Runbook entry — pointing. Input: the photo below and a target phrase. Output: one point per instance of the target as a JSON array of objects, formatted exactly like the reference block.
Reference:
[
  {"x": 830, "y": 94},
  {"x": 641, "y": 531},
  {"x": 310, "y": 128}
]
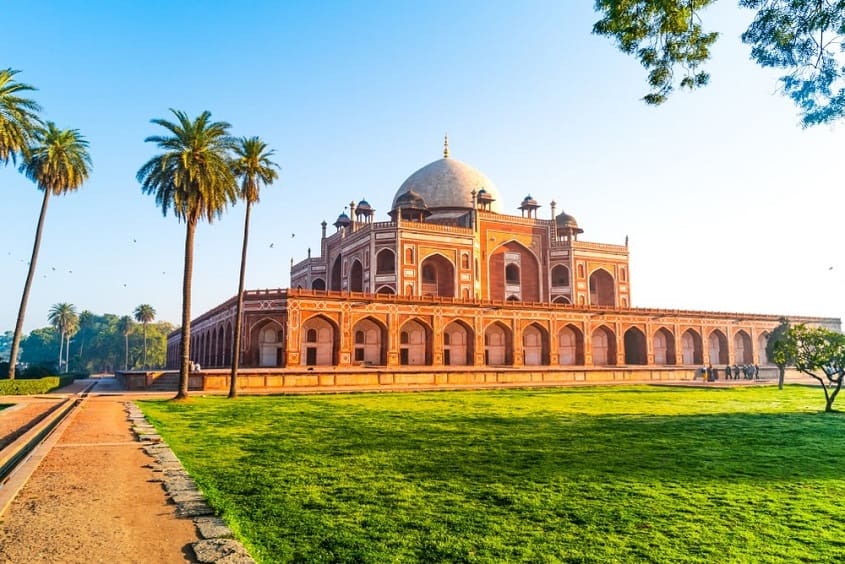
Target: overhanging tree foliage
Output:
[
  {"x": 817, "y": 352},
  {"x": 802, "y": 37},
  {"x": 772, "y": 345}
]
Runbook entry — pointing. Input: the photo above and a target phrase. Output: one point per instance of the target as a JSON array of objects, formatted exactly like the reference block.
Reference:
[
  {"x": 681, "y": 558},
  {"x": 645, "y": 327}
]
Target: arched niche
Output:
[
  {"x": 319, "y": 342},
  {"x": 458, "y": 344},
  {"x": 498, "y": 345},
  {"x": 369, "y": 337},
  {"x": 636, "y": 352},
  {"x": 437, "y": 276},
  {"x": 570, "y": 346},
  {"x": 603, "y": 345},
  {"x": 602, "y": 288}
]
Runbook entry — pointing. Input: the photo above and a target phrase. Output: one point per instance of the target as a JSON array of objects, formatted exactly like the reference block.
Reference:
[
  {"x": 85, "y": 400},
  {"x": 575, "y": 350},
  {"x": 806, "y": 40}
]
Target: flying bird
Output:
[{"x": 271, "y": 245}]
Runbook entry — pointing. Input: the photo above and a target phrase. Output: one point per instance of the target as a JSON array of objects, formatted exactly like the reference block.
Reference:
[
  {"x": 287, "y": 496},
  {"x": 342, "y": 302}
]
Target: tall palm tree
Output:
[
  {"x": 125, "y": 325},
  {"x": 253, "y": 166},
  {"x": 144, "y": 314},
  {"x": 70, "y": 330},
  {"x": 59, "y": 163},
  {"x": 64, "y": 318},
  {"x": 19, "y": 122},
  {"x": 193, "y": 177}
]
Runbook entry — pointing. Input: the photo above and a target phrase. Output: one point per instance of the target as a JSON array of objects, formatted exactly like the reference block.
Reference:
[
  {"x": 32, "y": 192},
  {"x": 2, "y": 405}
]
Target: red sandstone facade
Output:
[{"x": 450, "y": 283}]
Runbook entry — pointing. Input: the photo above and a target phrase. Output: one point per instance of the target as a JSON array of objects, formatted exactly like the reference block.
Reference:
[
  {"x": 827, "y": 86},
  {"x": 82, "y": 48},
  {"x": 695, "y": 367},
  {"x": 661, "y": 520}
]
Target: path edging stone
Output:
[{"x": 218, "y": 545}]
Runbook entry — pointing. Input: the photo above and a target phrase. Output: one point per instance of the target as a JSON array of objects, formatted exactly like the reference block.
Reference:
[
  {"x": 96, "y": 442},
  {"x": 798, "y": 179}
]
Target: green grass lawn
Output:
[{"x": 635, "y": 474}]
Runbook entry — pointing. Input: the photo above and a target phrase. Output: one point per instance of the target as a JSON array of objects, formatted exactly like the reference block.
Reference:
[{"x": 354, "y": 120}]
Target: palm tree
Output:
[
  {"x": 145, "y": 313},
  {"x": 125, "y": 325},
  {"x": 193, "y": 177},
  {"x": 19, "y": 123},
  {"x": 253, "y": 166},
  {"x": 64, "y": 318},
  {"x": 58, "y": 164}
]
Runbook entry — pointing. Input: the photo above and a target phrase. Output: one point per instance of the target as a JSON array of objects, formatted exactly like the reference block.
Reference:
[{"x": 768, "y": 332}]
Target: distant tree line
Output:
[{"x": 101, "y": 343}]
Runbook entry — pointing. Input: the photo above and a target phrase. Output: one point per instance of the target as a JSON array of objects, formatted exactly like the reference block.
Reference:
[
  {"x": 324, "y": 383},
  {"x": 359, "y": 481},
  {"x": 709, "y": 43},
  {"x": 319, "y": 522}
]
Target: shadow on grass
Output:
[{"x": 542, "y": 448}]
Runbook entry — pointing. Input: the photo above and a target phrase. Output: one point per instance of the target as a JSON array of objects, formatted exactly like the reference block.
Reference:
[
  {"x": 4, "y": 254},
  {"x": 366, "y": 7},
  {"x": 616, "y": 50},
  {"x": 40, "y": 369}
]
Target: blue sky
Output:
[{"x": 728, "y": 204}]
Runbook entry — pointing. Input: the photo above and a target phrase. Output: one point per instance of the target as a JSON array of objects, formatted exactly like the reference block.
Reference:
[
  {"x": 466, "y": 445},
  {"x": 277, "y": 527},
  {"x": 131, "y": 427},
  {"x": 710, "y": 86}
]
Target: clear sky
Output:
[{"x": 728, "y": 204}]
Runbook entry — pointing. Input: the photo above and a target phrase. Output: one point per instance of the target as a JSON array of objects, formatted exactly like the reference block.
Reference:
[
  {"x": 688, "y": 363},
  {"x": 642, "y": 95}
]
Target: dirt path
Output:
[{"x": 93, "y": 499}]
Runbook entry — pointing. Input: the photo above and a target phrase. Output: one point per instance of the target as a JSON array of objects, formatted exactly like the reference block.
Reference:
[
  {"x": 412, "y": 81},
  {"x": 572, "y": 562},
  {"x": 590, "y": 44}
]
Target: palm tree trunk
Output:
[
  {"x": 145, "y": 345},
  {"x": 184, "y": 368},
  {"x": 236, "y": 344},
  {"x": 16, "y": 340},
  {"x": 61, "y": 348},
  {"x": 126, "y": 351}
]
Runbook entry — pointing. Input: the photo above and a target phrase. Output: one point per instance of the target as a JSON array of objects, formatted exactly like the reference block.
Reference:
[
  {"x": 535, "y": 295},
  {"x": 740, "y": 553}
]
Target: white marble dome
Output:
[{"x": 448, "y": 184}]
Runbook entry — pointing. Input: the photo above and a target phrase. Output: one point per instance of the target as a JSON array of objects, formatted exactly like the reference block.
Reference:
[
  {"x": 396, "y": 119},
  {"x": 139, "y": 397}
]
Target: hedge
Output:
[{"x": 40, "y": 386}]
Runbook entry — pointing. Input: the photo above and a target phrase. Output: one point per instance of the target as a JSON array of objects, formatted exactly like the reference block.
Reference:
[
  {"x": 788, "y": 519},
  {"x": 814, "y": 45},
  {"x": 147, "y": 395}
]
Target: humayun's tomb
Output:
[{"x": 451, "y": 290}]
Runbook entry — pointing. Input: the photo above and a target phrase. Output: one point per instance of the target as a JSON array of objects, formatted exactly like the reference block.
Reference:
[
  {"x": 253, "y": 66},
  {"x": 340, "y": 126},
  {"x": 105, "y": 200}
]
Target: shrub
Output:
[
  {"x": 24, "y": 387},
  {"x": 39, "y": 370}
]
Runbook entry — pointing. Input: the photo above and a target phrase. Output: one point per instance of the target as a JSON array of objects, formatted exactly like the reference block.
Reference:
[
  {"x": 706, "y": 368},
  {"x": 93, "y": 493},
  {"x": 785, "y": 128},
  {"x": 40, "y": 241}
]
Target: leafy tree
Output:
[
  {"x": 253, "y": 166},
  {"x": 193, "y": 177},
  {"x": 144, "y": 314},
  {"x": 802, "y": 37},
  {"x": 58, "y": 164},
  {"x": 773, "y": 346},
  {"x": 19, "y": 121},
  {"x": 39, "y": 346},
  {"x": 86, "y": 324},
  {"x": 126, "y": 327},
  {"x": 6, "y": 345},
  {"x": 64, "y": 318},
  {"x": 817, "y": 352}
]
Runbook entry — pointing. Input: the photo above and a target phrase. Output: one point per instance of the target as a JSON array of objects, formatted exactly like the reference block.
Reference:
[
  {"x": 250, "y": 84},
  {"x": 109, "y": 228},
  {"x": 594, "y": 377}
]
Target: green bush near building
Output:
[{"x": 631, "y": 474}]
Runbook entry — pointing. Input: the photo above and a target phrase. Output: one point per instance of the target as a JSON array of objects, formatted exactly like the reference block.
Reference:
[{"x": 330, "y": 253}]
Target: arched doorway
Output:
[
  {"x": 414, "y": 349},
  {"x": 438, "y": 276},
  {"x": 457, "y": 344},
  {"x": 270, "y": 342},
  {"x": 762, "y": 341},
  {"x": 635, "y": 347},
  {"x": 370, "y": 340},
  {"x": 742, "y": 348},
  {"x": 319, "y": 338},
  {"x": 356, "y": 277},
  {"x": 535, "y": 346},
  {"x": 603, "y": 347},
  {"x": 570, "y": 346},
  {"x": 664, "y": 347},
  {"x": 602, "y": 288},
  {"x": 318, "y": 284},
  {"x": 692, "y": 348},
  {"x": 385, "y": 262},
  {"x": 717, "y": 347},
  {"x": 337, "y": 274},
  {"x": 514, "y": 271},
  {"x": 498, "y": 345}
]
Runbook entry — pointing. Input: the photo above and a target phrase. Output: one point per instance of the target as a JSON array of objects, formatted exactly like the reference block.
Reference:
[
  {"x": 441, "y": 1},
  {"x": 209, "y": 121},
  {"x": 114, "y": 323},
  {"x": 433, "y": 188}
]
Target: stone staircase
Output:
[{"x": 165, "y": 383}]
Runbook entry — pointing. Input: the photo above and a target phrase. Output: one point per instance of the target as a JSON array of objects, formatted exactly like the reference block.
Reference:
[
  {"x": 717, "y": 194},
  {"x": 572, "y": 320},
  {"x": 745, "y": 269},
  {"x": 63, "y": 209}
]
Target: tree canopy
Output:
[
  {"x": 801, "y": 37},
  {"x": 817, "y": 352}
]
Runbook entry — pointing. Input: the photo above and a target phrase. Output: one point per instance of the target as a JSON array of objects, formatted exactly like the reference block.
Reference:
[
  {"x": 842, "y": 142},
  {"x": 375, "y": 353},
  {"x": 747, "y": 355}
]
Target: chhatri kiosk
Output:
[{"x": 450, "y": 290}]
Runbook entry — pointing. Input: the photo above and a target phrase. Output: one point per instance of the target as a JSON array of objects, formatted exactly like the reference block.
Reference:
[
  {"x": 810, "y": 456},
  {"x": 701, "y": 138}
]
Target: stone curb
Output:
[{"x": 218, "y": 545}]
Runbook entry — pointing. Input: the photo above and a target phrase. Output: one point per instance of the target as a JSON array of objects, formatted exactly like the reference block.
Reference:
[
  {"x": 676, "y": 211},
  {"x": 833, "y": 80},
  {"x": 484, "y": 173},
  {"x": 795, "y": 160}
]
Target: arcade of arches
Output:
[{"x": 393, "y": 331}]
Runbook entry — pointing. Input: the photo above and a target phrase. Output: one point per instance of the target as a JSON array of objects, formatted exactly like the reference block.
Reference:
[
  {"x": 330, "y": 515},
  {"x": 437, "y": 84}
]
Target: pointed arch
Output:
[
  {"x": 762, "y": 341},
  {"x": 498, "y": 344},
  {"x": 369, "y": 337},
  {"x": 717, "y": 347},
  {"x": 603, "y": 344},
  {"x": 267, "y": 342},
  {"x": 415, "y": 343},
  {"x": 513, "y": 269},
  {"x": 318, "y": 284},
  {"x": 437, "y": 276},
  {"x": 570, "y": 346},
  {"x": 458, "y": 344},
  {"x": 385, "y": 262},
  {"x": 336, "y": 274},
  {"x": 636, "y": 351},
  {"x": 692, "y": 348},
  {"x": 560, "y": 276},
  {"x": 743, "y": 352},
  {"x": 386, "y": 290},
  {"x": 356, "y": 277},
  {"x": 663, "y": 344},
  {"x": 535, "y": 345},
  {"x": 320, "y": 341},
  {"x": 602, "y": 288}
]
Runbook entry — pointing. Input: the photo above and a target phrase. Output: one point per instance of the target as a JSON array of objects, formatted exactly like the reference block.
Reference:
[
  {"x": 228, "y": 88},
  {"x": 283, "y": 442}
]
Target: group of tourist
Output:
[{"x": 735, "y": 372}]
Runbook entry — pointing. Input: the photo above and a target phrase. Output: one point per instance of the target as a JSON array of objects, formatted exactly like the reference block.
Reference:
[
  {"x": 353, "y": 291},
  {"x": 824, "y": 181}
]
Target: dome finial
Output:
[{"x": 446, "y": 146}]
